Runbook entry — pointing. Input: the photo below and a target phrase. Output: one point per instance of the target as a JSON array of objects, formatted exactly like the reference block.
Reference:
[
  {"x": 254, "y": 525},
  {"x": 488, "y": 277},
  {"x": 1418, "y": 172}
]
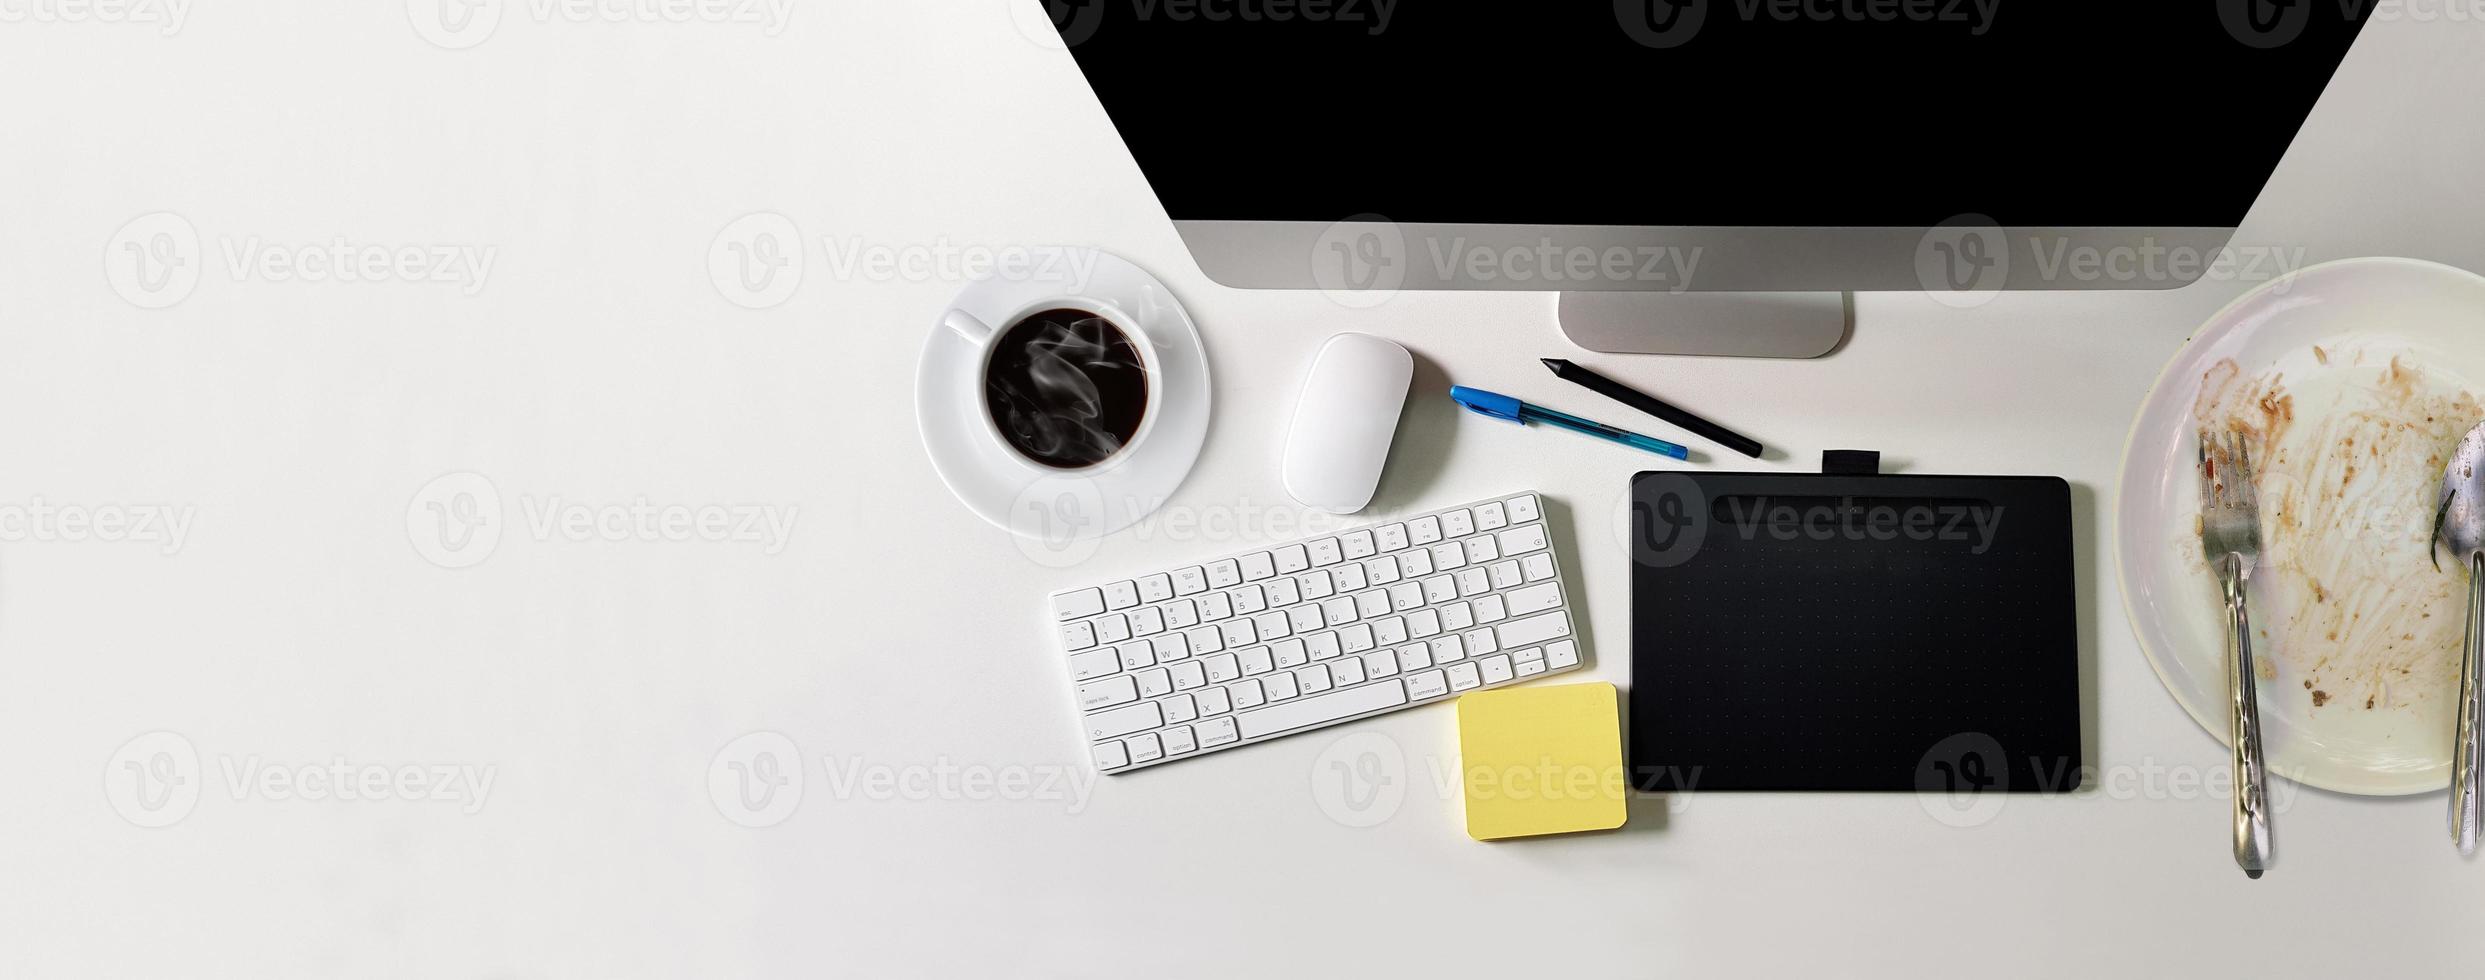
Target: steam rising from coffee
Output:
[{"x": 1066, "y": 387}]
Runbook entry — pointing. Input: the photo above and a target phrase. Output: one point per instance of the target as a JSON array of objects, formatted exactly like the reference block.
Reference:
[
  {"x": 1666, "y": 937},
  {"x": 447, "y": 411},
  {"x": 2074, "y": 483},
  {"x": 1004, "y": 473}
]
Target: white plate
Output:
[
  {"x": 2345, "y": 601},
  {"x": 1067, "y": 508}
]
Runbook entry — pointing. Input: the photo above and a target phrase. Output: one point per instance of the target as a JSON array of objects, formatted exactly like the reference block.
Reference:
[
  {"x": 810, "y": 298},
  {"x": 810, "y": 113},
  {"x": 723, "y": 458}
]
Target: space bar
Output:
[{"x": 1321, "y": 709}]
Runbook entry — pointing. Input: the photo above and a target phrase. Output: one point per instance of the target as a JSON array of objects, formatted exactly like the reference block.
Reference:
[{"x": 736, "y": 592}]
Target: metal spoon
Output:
[{"x": 2459, "y": 524}]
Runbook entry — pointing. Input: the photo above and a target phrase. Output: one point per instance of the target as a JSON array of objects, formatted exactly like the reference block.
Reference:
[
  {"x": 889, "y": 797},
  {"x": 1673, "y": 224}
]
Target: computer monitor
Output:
[{"x": 1707, "y": 176}]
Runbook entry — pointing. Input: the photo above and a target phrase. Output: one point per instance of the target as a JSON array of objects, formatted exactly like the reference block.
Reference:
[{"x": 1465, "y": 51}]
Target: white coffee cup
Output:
[{"x": 983, "y": 337}]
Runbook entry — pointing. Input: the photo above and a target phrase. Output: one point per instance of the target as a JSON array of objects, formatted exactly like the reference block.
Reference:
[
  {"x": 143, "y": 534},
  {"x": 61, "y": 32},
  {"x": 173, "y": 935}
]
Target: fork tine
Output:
[
  {"x": 2206, "y": 472},
  {"x": 2247, "y": 481}
]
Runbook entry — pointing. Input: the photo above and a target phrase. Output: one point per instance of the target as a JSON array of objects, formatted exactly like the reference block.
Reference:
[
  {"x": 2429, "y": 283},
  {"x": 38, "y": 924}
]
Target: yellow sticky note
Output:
[{"x": 1542, "y": 760}]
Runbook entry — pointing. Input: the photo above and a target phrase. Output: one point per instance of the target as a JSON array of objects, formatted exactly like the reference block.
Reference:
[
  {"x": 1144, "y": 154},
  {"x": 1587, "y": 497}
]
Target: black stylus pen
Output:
[{"x": 1635, "y": 398}]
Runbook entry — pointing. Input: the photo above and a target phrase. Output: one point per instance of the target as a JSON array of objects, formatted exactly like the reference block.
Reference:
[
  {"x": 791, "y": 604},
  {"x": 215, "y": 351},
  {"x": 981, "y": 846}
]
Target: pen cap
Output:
[{"x": 1483, "y": 402}]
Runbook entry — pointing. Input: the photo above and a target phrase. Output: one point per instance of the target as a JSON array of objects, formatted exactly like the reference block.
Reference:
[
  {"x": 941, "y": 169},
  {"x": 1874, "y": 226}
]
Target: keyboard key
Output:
[
  {"x": 1530, "y": 653},
  {"x": 1534, "y": 630},
  {"x": 1490, "y": 610},
  {"x": 1248, "y": 694},
  {"x": 1180, "y": 614},
  {"x": 1249, "y": 599},
  {"x": 1496, "y": 669},
  {"x": 1457, "y": 523},
  {"x": 1371, "y": 603},
  {"x": 1278, "y": 687},
  {"x": 1325, "y": 552},
  {"x": 1349, "y": 576},
  {"x": 1178, "y": 740},
  {"x": 1291, "y": 559},
  {"x": 1422, "y": 623},
  {"x": 1380, "y": 663},
  {"x": 1305, "y": 618},
  {"x": 1094, "y": 664},
  {"x": 1215, "y": 701},
  {"x": 1258, "y": 565},
  {"x": 1240, "y": 633},
  {"x": 1223, "y": 667},
  {"x": 1121, "y": 595},
  {"x": 1205, "y": 639},
  {"x": 1390, "y": 537},
  {"x": 1078, "y": 636},
  {"x": 1315, "y": 585},
  {"x": 1523, "y": 508},
  {"x": 1255, "y": 661},
  {"x": 1406, "y": 595},
  {"x": 1424, "y": 530},
  {"x": 1283, "y": 592},
  {"x": 1446, "y": 649},
  {"x": 1439, "y": 589},
  {"x": 1473, "y": 581},
  {"x": 1137, "y": 655},
  {"x": 1535, "y": 599},
  {"x": 1111, "y": 755},
  {"x": 1563, "y": 655},
  {"x": 1108, "y": 692},
  {"x": 1463, "y": 677},
  {"x": 1530, "y": 668},
  {"x": 1147, "y": 622},
  {"x": 1381, "y": 571},
  {"x": 1188, "y": 675},
  {"x": 1479, "y": 643},
  {"x": 1190, "y": 581},
  {"x": 1414, "y": 656},
  {"x": 1455, "y": 616},
  {"x": 1290, "y": 653},
  {"x": 1448, "y": 555},
  {"x": 1323, "y": 646},
  {"x": 1505, "y": 574},
  {"x": 1273, "y": 625},
  {"x": 1539, "y": 567},
  {"x": 1171, "y": 647},
  {"x": 1356, "y": 638},
  {"x": 1429, "y": 684},
  {"x": 1145, "y": 748},
  {"x": 1155, "y": 682},
  {"x": 1389, "y": 631},
  {"x": 1346, "y": 672},
  {"x": 1215, "y": 606},
  {"x": 1117, "y": 722},
  {"x": 1156, "y": 588},
  {"x": 1180, "y": 708},
  {"x": 1078, "y": 605},
  {"x": 1480, "y": 549},
  {"x": 1312, "y": 680},
  {"x": 1521, "y": 540},
  {"x": 1321, "y": 710},
  {"x": 1112, "y": 629},
  {"x": 1216, "y": 732},
  {"x": 1224, "y": 574},
  {"x": 1415, "y": 564},
  {"x": 1491, "y": 517},
  {"x": 1358, "y": 544}
]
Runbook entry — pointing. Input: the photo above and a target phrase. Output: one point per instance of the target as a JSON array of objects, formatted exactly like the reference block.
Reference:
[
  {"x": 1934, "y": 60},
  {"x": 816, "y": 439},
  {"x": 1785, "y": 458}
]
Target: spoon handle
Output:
[{"x": 2466, "y": 748}]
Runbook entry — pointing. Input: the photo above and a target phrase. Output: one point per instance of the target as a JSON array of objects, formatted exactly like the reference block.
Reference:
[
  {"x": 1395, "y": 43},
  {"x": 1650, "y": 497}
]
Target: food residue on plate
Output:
[{"x": 2348, "y": 461}]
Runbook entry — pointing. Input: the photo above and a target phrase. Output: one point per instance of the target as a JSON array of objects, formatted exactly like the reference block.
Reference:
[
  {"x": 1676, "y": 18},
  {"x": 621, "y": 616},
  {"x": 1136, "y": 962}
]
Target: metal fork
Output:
[{"x": 2230, "y": 534}]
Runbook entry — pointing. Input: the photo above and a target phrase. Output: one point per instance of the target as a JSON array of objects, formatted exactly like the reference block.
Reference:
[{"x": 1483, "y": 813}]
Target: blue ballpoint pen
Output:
[{"x": 1510, "y": 409}]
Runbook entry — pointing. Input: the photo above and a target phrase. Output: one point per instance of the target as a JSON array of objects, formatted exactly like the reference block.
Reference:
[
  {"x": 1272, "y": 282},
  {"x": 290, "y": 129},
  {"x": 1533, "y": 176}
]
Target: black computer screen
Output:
[{"x": 1804, "y": 113}]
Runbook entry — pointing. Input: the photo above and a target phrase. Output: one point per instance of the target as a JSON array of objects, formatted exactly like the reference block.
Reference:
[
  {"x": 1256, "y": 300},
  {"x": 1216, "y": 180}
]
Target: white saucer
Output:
[{"x": 1065, "y": 506}]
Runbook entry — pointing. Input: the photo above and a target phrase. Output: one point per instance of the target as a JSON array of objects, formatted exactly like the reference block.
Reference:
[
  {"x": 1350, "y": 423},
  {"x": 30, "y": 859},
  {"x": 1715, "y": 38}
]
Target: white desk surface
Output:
[{"x": 297, "y": 626}]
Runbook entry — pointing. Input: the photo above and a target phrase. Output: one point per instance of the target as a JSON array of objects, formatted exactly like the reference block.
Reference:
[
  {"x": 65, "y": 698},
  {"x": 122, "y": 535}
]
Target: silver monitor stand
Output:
[{"x": 1714, "y": 324}]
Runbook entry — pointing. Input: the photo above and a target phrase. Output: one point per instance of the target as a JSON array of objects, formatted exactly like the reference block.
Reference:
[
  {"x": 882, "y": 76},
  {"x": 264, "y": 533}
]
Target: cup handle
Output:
[{"x": 965, "y": 325}]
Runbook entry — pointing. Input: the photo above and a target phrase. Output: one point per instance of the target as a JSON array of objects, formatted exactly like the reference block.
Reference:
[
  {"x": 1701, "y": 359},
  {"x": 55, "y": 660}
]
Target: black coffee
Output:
[{"x": 1066, "y": 387}]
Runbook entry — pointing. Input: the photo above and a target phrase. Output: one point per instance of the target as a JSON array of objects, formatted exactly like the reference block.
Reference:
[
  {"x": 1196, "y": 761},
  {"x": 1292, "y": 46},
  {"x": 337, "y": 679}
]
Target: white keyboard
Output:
[{"x": 1280, "y": 640}]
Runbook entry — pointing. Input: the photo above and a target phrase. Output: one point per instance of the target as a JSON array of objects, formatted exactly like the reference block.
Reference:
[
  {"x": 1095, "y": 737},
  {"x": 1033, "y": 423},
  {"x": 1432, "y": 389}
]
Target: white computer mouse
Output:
[{"x": 1344, "y": 421}]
